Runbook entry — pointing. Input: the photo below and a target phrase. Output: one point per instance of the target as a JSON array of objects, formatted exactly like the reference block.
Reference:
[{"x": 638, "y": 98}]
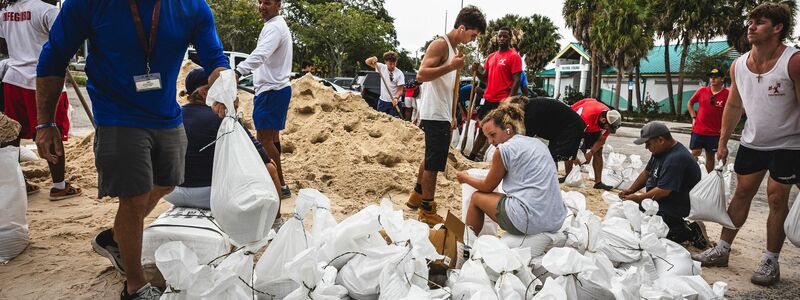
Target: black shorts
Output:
[
  {"x": 131, "y": 160},
  {"x": 565, "y": 147},
  {"x": 485, "y": 108},
  {"x": 709, "y": 143},
  {"x": 783, "y": 165},
  {"x": 589, "y": 138},
  {"x": 437, "y": 144}
]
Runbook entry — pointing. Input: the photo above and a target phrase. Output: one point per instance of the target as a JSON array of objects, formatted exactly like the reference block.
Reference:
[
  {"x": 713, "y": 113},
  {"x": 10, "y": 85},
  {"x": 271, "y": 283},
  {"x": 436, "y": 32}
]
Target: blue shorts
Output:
[
  {"x": 387, "y": 107},
  {"x": 270, "y": 108},
  {"x": 709, "y": 143}
]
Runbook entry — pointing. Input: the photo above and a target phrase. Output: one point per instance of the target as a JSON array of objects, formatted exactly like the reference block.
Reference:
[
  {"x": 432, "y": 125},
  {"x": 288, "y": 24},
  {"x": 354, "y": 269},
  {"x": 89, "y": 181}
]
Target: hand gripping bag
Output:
[
  {"x": 708, "y": 201},
  {"x": 243, "y": 198},
  {"x": 13, "y": 205},
  {"x": 792, "y": 224}
]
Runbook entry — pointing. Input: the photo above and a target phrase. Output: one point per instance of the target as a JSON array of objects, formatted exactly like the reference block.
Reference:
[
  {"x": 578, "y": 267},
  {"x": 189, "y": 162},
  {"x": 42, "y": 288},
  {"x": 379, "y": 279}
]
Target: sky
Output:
[{"x": 417, "y": 21}]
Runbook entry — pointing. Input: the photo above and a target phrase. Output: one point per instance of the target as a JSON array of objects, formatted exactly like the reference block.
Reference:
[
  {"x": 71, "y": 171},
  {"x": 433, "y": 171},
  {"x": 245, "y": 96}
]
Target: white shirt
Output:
[
  {"x": 395, "y": 81},
  {"x": 25, "y": 25},
  {"x": 436, "y": 96},
  {"x": 271, "y": 61},
  {"x": 773, "y": 114}
]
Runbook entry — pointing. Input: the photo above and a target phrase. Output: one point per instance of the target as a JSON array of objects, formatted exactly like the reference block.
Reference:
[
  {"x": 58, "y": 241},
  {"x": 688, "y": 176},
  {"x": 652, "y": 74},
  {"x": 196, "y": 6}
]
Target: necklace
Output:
[{"x": 761, "y": 72}]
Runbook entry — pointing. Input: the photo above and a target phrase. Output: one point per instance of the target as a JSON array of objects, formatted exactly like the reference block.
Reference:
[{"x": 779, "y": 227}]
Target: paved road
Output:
[{"x": 79, "y": 121}]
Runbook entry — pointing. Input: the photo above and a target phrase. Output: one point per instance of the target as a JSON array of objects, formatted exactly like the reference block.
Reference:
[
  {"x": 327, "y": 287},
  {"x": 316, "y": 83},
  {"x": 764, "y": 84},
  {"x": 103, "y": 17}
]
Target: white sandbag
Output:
[
  {"x": 612, "y": 178},
  {"x": 472, "y": 280},
  {"x": 357, "y": 232},
  {"x": 650, "y": 207},
  {"x": 468, "y": 133},
  {"x": 708, "y": 201},
  {"x": 689, "y": 287},
  {"x": 194, "y": 227},
  {"x": 316, "y": 281},
  {"x": 720, "y": 288},
  {"x": 496, "y": 255},
  {"x": 455, "y": 138},
  {"x": 187, "y": 279},
  {"x": 537, "y": 243},
  {"x": 489, "y": 226},
  {"x": 26, "y": 154},
  {"x": 607, "y": 149},
  {"x": 596, "y": 284},
  {"x": 272, "y": 276},
  {"x": 323, "y": 220},
  {"x": 649, "y": 292},
  {"x": 621, "y": 241},
  {"x": 553, "y": 289},
  {"x": 567, "y": 261},
  {"x": 632, "y": 213},
  {"x": 510, "y": 287},
  {"x": 585, "y": 235},
  {"x": 574, "y": 201},
  {"x": 13, "y": 206},
  {"x": 629, "y": 176},
  {"x": 645, "y": 266},
  {"x": 615, "y": 161},
  {"x": 361, "y": 275},
  {"x": 677, "y": 262},
  {"x": 656, "y": 225},
  {"x": 581, "y": 157},
  {"x": 589, "y": 170},
  {"x": 615, "y": 207},
  {"x": 636, "y": 161},
  {"x": 730, "y": 181},
  {"x": 243, "y": 198},
  {"x": 792, "y": 224},
  {"x": 575, "y": 179},
  {"x": 489, "y": 153}
]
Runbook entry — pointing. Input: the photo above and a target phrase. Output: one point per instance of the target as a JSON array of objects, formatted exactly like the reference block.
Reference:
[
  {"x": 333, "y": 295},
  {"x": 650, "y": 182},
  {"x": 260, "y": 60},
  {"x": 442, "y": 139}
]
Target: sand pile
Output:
[
  {"x": 9, "y": 129},
  {"x": 338, "y": 144},
  {"x": 80, "y": 168}
]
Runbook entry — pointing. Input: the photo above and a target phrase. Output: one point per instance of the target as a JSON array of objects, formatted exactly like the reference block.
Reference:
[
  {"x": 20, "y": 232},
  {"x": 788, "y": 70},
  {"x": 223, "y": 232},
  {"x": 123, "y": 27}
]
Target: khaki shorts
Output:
[{"x": 502, "y": 218}]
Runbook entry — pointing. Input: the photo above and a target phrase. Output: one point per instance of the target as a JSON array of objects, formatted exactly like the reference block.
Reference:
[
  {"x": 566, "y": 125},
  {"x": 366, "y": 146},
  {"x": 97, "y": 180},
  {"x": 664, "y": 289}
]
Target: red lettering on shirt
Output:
[{"x": 21, "y": 16}]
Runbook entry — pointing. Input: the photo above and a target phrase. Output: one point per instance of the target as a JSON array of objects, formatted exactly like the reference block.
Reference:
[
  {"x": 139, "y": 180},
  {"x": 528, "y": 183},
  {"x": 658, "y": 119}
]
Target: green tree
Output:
[
  {"x": 579, "y": 16},
  {"x": 736, "y": 12},
  {"x": 621, "y": 34},
  {"x": 664, "y": 13},
  {"x": 238, "y": 24},
  {"x": 700, "y": 63}
]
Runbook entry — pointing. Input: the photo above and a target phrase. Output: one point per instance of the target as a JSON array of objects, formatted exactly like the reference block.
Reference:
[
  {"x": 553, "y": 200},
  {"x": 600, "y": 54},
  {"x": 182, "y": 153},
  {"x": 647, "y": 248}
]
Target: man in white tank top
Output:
[
  {"x": 438, "y": 72},
  {"x": 766, "y": 86}
]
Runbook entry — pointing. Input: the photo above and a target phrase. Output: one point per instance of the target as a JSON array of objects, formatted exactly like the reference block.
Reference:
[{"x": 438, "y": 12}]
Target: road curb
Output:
[{"x": 687, "y": 129}]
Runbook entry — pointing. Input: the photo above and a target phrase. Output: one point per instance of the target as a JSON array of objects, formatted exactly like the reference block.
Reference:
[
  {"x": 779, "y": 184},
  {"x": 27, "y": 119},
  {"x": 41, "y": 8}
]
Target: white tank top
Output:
[
  {"x": 436, "y": 96},
  {"x": 773, "y": 113}
]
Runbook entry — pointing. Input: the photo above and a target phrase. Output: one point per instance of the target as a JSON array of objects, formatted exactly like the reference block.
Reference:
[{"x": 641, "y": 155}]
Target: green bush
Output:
[
  {"x": 571, "y": 97},
  {"x": 79, "y": 78},
  {"x": 650, "y": 107}
]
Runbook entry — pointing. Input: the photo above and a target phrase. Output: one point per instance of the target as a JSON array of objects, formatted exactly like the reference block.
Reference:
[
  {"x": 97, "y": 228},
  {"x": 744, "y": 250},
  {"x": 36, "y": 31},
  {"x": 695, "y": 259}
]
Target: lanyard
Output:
[{"x": 148, "y": 45}]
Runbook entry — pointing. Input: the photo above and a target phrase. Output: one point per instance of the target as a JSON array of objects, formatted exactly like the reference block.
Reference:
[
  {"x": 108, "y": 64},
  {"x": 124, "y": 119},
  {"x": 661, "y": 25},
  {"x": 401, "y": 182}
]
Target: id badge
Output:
[{"x": 148, "y": 82}]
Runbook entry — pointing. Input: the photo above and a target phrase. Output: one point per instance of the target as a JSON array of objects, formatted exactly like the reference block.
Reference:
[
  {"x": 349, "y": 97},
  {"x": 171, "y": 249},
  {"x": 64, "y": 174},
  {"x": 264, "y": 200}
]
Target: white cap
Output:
[{"x": 614, "y": 119}]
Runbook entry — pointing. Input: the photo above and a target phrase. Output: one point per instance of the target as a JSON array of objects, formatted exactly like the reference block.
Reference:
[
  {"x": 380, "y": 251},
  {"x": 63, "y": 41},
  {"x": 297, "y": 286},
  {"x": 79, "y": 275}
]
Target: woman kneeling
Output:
[{"x": 532, "y": 203}]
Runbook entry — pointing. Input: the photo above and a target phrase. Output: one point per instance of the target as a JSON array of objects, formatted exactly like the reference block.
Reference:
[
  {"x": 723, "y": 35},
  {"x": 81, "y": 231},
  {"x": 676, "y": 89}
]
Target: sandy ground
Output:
[{"x": 336, "y": 144}]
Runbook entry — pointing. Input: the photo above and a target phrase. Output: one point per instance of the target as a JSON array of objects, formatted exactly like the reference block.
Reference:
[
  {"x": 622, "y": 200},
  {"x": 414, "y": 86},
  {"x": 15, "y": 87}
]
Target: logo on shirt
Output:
[
  {"x": 502, "y": 62},
  {"x": 17, "y": 16},
  {"x": 776, "y": 89}
]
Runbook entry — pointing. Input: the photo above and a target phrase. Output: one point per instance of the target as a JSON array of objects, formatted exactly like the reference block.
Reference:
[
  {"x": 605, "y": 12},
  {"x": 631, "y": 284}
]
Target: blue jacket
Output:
[{"x": 116, "y": 55}]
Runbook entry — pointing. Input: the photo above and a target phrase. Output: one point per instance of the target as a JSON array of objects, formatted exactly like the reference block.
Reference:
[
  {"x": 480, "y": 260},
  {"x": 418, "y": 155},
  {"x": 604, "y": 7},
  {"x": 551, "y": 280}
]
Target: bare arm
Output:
[
  {"x": 487, "y": 185},
  {"x": 637, "y": 184},
  {"x": 372, "y": 62},
  {"x": 516, "y": 84},
  {"x": 730, "y": 116},
  {"x": 654, "y": 193},
  {"x": 794, "y": 73},
  {"x": 434, "y": 66},
  {"x": 48, "y": 90}
]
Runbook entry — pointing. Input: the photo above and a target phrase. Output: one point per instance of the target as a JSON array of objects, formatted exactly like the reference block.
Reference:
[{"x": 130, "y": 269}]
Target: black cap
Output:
[
  {"x": 651, "y": 130},
  {"x": 195, "y": 79},
  {"x": 715, "y": 72}
]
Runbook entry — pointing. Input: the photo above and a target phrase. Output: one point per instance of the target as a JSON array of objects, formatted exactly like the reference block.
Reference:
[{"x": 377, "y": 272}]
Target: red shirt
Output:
[
  {"x": 500, "y": 68},
  {"x": 410, "y": 91},
  {"x": 589, "y": 109},
  {"x": 709, "y": 113}
]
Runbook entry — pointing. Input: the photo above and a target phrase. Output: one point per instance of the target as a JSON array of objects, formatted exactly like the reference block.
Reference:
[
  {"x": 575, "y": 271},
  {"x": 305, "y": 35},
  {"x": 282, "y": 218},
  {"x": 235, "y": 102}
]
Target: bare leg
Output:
[
  {"x": 710, "y": 161},
  {"x": 739, "y": 209},
  {"x": 696, "y": 153},
  {"x": 480, "y": 204},
  {"x": 273, "y": 173},
  {"x": 128, "y": 227},
  {"x": 778, "y": 198},
  {"x": 597, "y": 164},
  {"x": 421, "y": 172},
  {"x": 57, "y": 170},
  {"x": 429, "y": 184},
  {"x": 268, "y": 138}
]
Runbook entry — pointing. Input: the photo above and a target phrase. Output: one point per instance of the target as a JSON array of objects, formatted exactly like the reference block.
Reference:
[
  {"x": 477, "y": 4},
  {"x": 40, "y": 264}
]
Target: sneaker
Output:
[
  {"x": 767, "y": 273},
  {"x": 69, "y": 191},
  {"x": 105, "y": 245},
  {"x": 278, "y": 224},
  {"x": 430, "y": 217},
  {"x": 414, "y": 200},
  {"x": 286, "y": 193},
  {"x": 562, "y": 179},
  {"x": 713, "y": 257},
  {"x": 698, "y": 234},
  {"x": 31, "y": 189},
  {"x": 147, "y": 292},
  {"x": 603, "y": 186}
]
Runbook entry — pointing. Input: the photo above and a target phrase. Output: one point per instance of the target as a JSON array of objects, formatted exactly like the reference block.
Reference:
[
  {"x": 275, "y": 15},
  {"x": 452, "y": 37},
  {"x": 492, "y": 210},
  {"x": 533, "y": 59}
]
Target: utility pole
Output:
[{"x": 445, "y": 21}]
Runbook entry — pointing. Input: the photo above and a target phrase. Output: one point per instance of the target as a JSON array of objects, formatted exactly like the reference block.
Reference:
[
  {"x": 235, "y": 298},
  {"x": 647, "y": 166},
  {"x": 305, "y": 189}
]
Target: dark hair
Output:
[
  {"x": 778, "y": 13},
  {"x": 307, "y": 63},
  {"x": 472, "y": 18},
  {"x": 506, "y": 29},
  {"x": 390, "y": 56},
  {"x": 507, "y": 115}
]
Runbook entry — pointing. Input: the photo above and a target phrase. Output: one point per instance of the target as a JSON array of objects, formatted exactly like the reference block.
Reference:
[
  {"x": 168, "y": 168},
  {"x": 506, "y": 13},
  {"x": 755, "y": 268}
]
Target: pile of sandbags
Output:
[{"x": 619, "y": 170}]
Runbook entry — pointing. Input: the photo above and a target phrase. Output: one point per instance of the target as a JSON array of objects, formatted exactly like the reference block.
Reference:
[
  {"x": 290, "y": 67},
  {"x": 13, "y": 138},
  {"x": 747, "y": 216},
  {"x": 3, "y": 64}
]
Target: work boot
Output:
[
  {"x": 430, "y": 217},
  {"x": 147, "y": 292},
  {"x": 713, "y": 257},
  {"x": 767, "y": 273},
  {"x": 69, "y": 191},
  {"x": 414, "y": 200}
]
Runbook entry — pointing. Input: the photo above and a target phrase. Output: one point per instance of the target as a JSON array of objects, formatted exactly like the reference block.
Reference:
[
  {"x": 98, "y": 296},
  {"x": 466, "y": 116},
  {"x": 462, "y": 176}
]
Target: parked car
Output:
[
  {"x": 80, "y": 65},
  {"x": 234, "y": 58},
  {"x": 345, "y": 82},
  {"x": 370, "y": 85}
]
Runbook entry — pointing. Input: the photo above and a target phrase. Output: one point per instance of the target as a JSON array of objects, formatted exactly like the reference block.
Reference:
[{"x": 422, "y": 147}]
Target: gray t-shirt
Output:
[{"x": 533, "y": 203}]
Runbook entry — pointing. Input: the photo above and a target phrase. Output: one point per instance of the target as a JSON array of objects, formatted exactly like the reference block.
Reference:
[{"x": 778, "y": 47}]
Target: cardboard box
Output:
[{"x": 446, "y": 240}]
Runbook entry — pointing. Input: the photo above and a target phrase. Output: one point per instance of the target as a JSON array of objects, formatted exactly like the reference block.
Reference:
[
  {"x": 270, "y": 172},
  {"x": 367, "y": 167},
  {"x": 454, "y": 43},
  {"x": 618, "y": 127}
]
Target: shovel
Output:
[{"x": 386, "y": 85}]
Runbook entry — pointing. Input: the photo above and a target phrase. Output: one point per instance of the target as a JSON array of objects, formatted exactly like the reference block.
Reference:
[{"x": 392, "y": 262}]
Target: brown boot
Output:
[
  {"x": 430, "y": 217},
  {"x": 414, "y": 200}
]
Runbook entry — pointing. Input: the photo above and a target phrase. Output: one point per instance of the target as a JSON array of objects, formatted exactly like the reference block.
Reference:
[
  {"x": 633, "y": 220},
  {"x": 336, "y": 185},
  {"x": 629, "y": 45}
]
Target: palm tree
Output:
[
  {"x": 621, "y": 33},
  {"x": 579, "y": 15},
  {"x": 539, "y": 43},
  {"x": 699, "y": 20},
  {"x": 664, "y": 15}
]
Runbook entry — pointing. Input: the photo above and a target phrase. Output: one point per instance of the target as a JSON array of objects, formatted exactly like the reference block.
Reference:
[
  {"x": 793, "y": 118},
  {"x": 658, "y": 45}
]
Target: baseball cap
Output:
[
  {"x": 714, "y": 72},
  {"x": 651, "y": 130},
  {"x": 614, "y": 120},
  {"x": 195, "y": 79}
]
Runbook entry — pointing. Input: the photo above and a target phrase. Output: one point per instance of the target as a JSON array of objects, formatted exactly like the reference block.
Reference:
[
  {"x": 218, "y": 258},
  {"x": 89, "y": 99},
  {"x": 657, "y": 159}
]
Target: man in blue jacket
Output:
[{"x": 137, "y": 47}]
